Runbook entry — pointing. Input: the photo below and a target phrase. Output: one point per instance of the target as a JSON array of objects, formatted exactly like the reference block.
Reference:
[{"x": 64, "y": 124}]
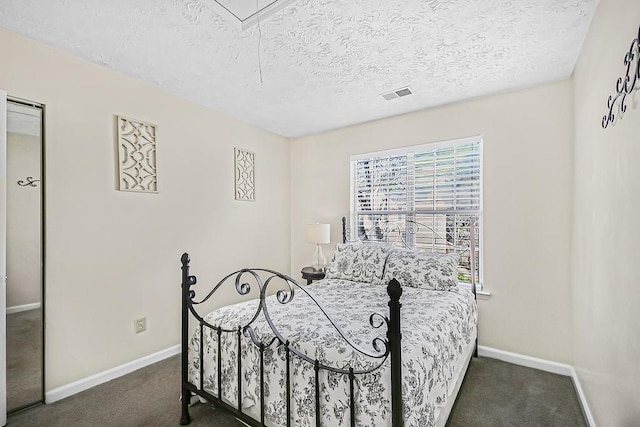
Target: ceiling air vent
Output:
[{"x": 398, "y": 93}]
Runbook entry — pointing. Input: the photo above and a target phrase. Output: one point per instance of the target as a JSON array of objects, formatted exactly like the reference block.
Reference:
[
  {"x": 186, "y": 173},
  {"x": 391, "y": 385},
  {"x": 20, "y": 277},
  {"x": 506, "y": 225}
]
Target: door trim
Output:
[{"x": 3, "y": 262}]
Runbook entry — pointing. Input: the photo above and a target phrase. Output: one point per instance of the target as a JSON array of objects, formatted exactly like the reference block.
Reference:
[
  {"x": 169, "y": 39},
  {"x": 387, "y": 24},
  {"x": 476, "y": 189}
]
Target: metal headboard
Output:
[{"x": 402, "y": 228}]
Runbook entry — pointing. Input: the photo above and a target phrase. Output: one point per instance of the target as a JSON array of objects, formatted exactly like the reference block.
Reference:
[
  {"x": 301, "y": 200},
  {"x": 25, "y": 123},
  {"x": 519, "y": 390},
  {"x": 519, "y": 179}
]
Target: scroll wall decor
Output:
[
  {"x": 245, "y": 187},
  {"x": 28, "y": 182},
  {"x": 137, "y": 156},
  {"x": 625, "y": 85}
]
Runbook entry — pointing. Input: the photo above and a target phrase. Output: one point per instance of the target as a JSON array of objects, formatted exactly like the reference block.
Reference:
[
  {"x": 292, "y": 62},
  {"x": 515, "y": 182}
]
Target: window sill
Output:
[
  {"x": 484, "y": 295},
  {"x": 481, "y": 294}
]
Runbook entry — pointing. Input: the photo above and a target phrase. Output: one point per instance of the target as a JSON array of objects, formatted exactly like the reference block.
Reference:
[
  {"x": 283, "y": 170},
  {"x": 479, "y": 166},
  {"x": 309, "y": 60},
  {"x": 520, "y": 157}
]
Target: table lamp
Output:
[{"x": 320, "y": 235}]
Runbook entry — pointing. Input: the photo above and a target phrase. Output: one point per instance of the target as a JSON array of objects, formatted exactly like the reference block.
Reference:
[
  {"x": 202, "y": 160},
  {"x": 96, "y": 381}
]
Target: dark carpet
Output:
[
  {"x": 494, "y": 393},
  {"x": 24, "y": 358}
]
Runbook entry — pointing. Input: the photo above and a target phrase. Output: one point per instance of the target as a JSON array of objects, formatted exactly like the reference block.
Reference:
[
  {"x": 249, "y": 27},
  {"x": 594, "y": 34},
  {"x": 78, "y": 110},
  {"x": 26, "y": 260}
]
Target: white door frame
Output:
[{"x": 3, "y": 258}]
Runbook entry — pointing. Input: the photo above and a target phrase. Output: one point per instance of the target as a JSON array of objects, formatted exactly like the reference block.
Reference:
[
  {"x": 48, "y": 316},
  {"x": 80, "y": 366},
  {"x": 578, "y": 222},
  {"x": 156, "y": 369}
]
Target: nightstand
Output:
[{"x": 310, "y": 274}]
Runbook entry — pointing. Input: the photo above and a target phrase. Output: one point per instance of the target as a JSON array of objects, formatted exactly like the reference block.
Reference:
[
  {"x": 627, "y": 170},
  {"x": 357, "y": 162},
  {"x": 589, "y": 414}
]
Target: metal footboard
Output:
[{"x": 385, "y": 346}]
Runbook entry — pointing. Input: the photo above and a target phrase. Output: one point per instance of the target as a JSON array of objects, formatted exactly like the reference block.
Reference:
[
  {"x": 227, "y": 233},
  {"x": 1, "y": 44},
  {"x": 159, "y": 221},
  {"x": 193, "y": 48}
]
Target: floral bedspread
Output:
[{"x": 436, "y": 326}]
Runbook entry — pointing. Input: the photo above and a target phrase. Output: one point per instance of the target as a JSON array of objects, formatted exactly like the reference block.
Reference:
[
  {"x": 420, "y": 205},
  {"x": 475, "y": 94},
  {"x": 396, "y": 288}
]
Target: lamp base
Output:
[{"x": 319, "y": 260}]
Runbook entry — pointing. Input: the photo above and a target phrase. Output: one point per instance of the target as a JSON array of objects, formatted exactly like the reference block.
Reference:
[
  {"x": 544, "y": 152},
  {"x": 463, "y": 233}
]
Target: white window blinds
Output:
[{"x": 436, "y": 189}]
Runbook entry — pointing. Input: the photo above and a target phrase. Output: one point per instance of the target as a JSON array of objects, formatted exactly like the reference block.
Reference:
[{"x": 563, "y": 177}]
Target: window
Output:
[{"x": 433, "y": 190}]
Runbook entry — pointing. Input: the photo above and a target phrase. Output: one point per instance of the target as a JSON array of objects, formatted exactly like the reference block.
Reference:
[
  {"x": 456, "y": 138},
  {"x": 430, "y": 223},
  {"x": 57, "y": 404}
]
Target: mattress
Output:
[{"x": 438, "y": 329}]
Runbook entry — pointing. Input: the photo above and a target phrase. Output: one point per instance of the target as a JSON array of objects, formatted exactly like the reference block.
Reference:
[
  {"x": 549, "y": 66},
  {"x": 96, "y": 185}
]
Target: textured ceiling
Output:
[{"x": 324, "y": 62}]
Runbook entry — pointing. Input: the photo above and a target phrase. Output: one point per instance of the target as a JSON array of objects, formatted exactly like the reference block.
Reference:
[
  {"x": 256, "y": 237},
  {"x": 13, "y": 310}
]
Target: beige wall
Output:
[
  {"x": 24, "y": 256},
  {"x": 114, "y": 256},
  {"x": 606, "y": 233},
  {"x": 528, "y": 139}
]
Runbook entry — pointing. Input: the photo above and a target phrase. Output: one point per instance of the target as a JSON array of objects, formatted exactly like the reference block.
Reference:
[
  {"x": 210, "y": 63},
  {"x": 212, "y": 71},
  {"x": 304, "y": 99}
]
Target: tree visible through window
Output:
[{"x": 433, "y": 190}]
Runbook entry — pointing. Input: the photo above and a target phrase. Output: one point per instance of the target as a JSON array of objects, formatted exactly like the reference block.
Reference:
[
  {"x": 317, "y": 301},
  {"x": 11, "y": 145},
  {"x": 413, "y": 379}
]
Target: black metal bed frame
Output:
[{"x": 384, "y": 346}]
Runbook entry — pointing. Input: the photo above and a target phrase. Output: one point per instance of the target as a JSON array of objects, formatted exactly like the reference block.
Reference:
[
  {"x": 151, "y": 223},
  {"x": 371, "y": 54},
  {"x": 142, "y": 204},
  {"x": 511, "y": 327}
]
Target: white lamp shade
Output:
[{"x": 318, "y": 233}]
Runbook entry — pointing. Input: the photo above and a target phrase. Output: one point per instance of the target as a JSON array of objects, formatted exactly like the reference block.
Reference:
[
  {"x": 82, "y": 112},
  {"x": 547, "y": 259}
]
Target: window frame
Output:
[{"x": 412, "y": 212}]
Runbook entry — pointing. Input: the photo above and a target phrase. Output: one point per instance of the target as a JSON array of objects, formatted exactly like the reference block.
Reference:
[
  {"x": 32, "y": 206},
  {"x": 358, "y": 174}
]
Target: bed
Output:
[{"x": 368, "y": 345}]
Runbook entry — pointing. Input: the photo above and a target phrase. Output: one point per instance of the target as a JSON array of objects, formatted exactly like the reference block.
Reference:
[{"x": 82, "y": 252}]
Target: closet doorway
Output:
[{"x": 24, "y": 254}]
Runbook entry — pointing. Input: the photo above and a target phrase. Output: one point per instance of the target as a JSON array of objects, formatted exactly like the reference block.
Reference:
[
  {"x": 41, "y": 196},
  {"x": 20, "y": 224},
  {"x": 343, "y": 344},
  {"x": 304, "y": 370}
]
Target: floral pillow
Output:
[
  {"x": 358, "y": 263},
  {"x": 433, "y": 271}
]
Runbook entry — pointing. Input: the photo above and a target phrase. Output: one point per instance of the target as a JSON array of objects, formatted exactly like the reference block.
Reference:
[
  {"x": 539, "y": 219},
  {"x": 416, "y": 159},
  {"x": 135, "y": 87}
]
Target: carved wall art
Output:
[
  {"x": 245, "y": 187},
  {"x": 625, "y": 85},
  {"x": 137, "y": 156}
]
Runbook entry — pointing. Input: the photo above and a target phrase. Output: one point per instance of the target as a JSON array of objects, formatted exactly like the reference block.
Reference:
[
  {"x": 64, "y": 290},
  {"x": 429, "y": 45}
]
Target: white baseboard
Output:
[
  {"x": 591, "y": 422},
  {"x": 543, "y": 365},
  {"x": 25, "y": 307},
  {"x": 528, "y": 361},
  {"x": 108, "y": 375}
]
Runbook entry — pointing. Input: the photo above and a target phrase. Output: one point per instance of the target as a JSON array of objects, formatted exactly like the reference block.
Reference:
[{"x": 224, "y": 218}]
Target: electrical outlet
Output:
[{"x": 140, "y": 325}]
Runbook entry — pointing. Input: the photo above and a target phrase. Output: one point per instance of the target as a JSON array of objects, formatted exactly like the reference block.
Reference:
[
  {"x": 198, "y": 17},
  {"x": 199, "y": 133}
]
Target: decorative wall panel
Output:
[
  {"x": 137, "y": 156},
  {"x": 245, "y": 188}
]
